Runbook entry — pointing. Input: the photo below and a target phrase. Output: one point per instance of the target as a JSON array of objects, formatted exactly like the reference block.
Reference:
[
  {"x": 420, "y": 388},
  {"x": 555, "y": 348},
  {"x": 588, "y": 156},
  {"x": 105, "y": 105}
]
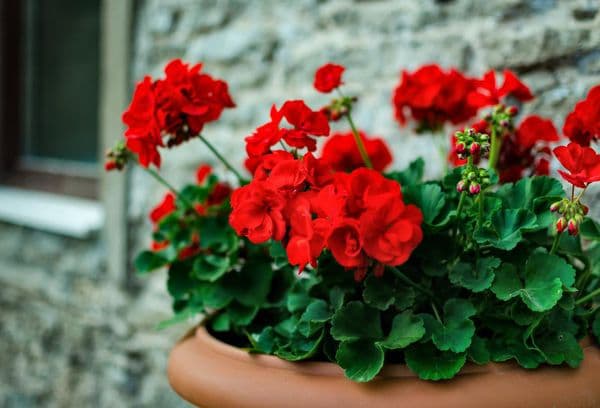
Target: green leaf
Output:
[
  {"x": 475, "y": 278},
  {"x": 507, "y": 284},
  {"x": 589, "y": 229},
  {"x": 356, "y": 321},
  {"x": 406, "y": 329},
  {"x": 210, "y": 267},
  {"x": 241, "y": 315},
  {"x": 181, "y": 317},
  {"x": 313, "y": 318},
  {"x": 379, "y": 291},
  {"x": 429, "y": 198},
  {"x": 429, "y": 363},
  {"x": 545, "y": 276},
  {"x": 506, "y": 228},
  {"x": 561, "y": 347},
  {"x": 478, "y": 351},
  {"x": 299, "y": 348},
  {"x": 411, "y": 175},
  {"x": 531, "y": 192},
  {"x": 505, "y": 349},
  {"x": 250, "y": 286},
  {"x": 179, "y": 282},
  {"x": 213, "y": 295},
  {"x": 360, "y": 359},
  {"x": 336, "y": 297},
  {"x": 148, "y": 261},
  {"x": 456, "y": 331},
  {"x": 264, "y": 342}
]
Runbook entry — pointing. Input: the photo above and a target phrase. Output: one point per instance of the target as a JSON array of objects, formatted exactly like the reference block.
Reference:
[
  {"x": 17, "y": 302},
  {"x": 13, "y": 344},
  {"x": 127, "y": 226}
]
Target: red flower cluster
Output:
[
  {"x": 328, "y": 77},
  {"x": 341, "y": 153},
  {"x": 525, "y": 151},
  {"x": 583, "y": 124},
  {"x": 304, "y": 122},
  {"x": 360, "y": 217},
  {"x": 433, "y": 96},
  {"x": 178, "y": 106},
  {"x": 582, "y": 164}
]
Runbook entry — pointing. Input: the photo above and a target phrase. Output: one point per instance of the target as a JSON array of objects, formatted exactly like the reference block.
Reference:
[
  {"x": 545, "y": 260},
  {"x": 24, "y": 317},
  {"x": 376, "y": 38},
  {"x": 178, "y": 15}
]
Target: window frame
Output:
[{"x": 16, "y": 170}]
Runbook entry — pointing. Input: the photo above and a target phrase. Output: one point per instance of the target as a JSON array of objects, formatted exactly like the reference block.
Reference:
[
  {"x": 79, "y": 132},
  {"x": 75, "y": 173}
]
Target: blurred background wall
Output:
[{"x": 77, "y": 324}]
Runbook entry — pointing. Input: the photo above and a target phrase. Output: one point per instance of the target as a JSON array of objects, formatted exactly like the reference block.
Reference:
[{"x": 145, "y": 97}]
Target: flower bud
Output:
[
  {"x": 460, "y": 148},
  {"x": 554, "y": 207},
  {"x": 486, "y": 181},
  {"x": 513, "y": 110},
  {"x": 504, "y": 123},
  {"x": 585, "y": 208},
  {"x": 460, "y": 186},
  {"x": 572, "y": 227},
  {"x": 471, "y": 175},
  {"x": 110, "y": 165},
  {"x": 474, "y": 188},
  {"x": 561, "y": 224},
  {"x": 475, "y": 148}
]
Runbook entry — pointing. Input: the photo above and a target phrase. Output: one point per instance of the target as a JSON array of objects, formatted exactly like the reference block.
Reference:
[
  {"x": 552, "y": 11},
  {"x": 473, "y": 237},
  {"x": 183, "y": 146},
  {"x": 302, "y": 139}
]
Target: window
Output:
[{"x": 49, "y": 69}]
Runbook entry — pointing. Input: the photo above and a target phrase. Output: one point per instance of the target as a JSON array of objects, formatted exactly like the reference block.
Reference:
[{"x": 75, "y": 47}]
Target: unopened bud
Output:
[
  {"x": 513, "y": 110},
  {"x": 474, "y": 188},
  {"x": 561, "y": 224},
  {"x": 460, "y": 186},
  {"x": 572, "y": 227},
  {"x": 475, "y": 148},
  {"x": 554, "y": 207},
  {"x": 110, "y": 165},
  {"x": 504, "y": 123},
  {"x": 472, "y": 175},
  {"x": 460, "y": 148},
  {"x": 585, "y": 208}
]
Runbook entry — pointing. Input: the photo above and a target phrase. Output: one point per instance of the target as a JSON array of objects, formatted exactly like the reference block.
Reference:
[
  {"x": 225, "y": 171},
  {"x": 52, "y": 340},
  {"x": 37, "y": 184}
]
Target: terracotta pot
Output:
[{"x": 209, "y": 373}]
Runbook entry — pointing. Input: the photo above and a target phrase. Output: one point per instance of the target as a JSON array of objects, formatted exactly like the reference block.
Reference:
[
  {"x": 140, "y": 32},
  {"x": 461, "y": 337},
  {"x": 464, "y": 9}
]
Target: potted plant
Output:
[{"x": 324, "y": 269}]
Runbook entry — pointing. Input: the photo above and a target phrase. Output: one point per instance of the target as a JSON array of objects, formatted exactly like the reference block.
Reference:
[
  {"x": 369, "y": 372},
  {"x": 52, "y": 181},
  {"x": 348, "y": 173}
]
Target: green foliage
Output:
[{"x": 481, "y": 286}]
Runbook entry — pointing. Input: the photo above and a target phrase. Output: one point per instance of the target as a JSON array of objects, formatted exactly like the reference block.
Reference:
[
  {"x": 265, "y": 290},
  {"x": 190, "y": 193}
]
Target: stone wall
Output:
[{"x": 73, "y": 337}]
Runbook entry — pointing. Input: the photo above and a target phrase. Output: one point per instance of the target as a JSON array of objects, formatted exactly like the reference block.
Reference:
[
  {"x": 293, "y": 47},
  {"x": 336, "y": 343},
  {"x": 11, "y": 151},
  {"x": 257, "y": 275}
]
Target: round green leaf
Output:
[
  {"x": 476, "y": 277},
  {"x": 360, "y": 359},
  {"x": 429, "y": 363},
  {"x": 356, "y": 321},
  {"x": 406, "y": 329}
]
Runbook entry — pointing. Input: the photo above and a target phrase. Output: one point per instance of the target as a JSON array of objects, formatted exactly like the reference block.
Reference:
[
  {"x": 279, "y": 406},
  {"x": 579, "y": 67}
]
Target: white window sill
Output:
[{"x": 69, "y": 216}]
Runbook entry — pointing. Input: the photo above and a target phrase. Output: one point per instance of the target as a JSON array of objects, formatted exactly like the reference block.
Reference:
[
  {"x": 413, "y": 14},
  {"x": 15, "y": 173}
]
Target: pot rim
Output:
[{"x": 322, "y": 368}]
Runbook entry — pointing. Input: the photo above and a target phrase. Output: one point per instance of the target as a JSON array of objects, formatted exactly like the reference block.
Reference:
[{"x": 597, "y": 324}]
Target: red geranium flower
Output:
[
  {"x": 582, "y": 164},
  {"x": 328, "y": 77},
  {"x": 341, "y": 153},
  {"x": 487, "y": 92},
  {"x": 391, "y": 230},
  {"x": 164, "y": 208},
  {"x": 582, "y": 125},
  {"x": 257, "y": 212},
  {"x": 433, "y": 97},
  {"x": 345, "y": 244}
]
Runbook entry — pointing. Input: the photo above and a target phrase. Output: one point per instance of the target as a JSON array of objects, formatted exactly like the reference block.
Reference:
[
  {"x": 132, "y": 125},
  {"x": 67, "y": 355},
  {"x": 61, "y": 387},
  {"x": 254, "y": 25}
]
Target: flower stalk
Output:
[{"x": 222, "y": 159}]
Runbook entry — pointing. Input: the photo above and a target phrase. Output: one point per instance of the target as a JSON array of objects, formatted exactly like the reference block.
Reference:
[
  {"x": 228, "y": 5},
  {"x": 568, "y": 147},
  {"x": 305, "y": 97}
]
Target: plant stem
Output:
[
  {"x": 222, "y": 159},
  {"x": 435, "y": 312},
  {"x": 495, "y": 149},
  {"x": 587, "y": 297},
  {"x": 166, "y": 184},
  {"x": 555, "y": 243},
  {"x": 359, "y": 143},
  {"x": 410, "y": 282}
]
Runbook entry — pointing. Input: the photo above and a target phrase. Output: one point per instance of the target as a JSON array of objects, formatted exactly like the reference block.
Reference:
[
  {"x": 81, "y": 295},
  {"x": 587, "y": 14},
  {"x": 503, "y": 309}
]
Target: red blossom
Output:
[
  {"x": 164, "y": 208},
  {"x": 345, "y": 243},
  {"x": 328, "y": 77},
  {"x": 391, "y": 230},
  {"x": 582, "y": 164},
  {"x": 257, "y": 212},
  {"x": 433, "y": 97},
  {"x": 582, "y": 125},
  {"x": 487, "y": 92},
  {"x": 202, "y": 172},
  {"x": 176, "y": 108},
  {"x": 341, "y": 153}
]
